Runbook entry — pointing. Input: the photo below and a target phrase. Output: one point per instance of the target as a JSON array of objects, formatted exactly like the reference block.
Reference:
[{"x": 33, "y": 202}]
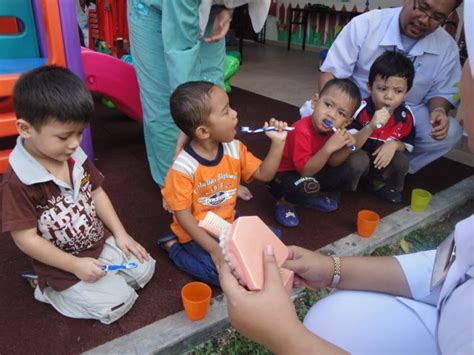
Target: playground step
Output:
[
  {"x": 4, "y": 160},
  {"x": 8, "y": 124},
  {"x": 20, "y": 65}
]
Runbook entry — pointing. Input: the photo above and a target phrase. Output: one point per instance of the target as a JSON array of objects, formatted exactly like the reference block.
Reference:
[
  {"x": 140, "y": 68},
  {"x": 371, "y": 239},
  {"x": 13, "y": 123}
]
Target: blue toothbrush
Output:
[
  {"x": 113, "y": 267},
  {"x": 246, "y": 129},
  {"x": 334, "y": 129}
]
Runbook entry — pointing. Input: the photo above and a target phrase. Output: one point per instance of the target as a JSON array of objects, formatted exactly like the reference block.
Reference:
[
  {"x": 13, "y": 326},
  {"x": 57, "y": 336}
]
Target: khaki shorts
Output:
[{"x": 107, "y": 299}]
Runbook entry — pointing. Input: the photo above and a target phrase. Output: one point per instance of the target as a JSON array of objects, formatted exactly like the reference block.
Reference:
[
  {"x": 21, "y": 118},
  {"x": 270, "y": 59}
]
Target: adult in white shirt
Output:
[{"x": 414, "y": 29}]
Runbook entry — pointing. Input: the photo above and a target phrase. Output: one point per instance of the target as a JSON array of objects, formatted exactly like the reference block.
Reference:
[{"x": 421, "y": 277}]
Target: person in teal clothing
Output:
[{"x": 172, "y": 42}]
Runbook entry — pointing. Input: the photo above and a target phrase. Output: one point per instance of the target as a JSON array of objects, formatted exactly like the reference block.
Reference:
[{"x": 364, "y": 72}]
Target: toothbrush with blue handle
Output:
[
  {"x": 246, "y": 129},
  {"x": 113, "y": 267},
  {"x": 334, "y": 129}
]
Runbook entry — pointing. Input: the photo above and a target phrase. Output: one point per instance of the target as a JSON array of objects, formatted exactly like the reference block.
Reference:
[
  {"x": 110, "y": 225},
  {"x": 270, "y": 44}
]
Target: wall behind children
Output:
[{"x": 322, "y": 28}]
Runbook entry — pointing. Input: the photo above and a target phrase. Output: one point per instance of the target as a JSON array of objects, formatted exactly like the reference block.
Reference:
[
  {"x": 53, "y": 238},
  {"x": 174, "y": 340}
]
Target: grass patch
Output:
[{"x": 230, "y": 341}]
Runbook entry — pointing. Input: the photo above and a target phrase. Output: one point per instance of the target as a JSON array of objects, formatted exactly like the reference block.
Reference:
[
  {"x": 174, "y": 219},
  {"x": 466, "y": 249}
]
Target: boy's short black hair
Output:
[
  {"x": 189, "y": 105},
  {"x": 457, "y": 4},
  {"x": 345, "y": 85},
  {"x": 392, "y": 63},
  {"x": 52, "y": 93}
]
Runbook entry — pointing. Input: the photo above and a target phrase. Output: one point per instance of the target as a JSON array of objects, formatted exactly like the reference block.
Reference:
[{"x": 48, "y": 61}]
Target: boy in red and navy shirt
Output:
[{"x": 391, "y": 123}]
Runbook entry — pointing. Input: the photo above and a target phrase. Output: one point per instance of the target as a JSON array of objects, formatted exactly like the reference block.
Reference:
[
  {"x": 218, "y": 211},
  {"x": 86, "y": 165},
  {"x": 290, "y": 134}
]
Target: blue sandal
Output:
[
  {"x": 286, "y": 215},
  {"x": 325, "y": 202}
]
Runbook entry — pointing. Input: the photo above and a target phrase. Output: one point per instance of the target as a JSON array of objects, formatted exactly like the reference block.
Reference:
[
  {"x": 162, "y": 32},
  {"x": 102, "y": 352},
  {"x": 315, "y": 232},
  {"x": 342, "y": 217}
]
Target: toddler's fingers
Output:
[{"x": 280, "y": 125}]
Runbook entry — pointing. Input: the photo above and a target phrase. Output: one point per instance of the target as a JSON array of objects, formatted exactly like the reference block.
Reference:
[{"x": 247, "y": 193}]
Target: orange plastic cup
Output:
[
  {"x": 367, "y": 222},
  {"x": 196, "y": 297}
]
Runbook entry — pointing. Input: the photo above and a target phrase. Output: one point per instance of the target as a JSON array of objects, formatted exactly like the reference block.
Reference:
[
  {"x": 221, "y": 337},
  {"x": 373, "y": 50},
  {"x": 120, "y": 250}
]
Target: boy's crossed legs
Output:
[
  {"x": 320, "y": 191},
  {"x": 107, "y": 299},
  {"x": 194, "y": 260}
]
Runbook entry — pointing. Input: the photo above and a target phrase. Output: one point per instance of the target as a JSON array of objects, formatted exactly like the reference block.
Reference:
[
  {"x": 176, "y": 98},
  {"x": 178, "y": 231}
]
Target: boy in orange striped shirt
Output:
[{"x": 206, "y": 174}]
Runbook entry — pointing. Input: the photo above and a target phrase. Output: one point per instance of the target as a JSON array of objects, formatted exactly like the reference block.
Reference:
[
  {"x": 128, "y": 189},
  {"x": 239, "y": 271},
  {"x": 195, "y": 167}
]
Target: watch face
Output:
[{"x": 445, "y": 256}]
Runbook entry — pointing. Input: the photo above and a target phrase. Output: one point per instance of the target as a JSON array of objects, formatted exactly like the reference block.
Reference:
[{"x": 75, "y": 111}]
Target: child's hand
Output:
[
  {"x": 88, "y": 269},
  {"x": 384, "y": 154},
  {"x": 166, "y": 207},
  {"x": 279, "y": 134},
  {"x": 130, "y": 246},
  {"x": 380, "y": 118},
  {"x": 339, "y": 139},
  {"x": 244, "y": 193}
]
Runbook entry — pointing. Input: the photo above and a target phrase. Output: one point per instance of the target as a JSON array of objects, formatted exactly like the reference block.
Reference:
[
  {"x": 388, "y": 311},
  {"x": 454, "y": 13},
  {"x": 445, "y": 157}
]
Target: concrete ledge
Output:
[
  {"x": 176, "y": 334},
  {"x": 171, "y": 335},
  {"x": 393, "y": 227}
]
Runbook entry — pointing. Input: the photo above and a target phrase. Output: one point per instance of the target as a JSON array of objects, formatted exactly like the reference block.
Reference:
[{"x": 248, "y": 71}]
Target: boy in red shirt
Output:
[
  {"x": 312, "y": 170},
  {"x": 206, "y": 174}
]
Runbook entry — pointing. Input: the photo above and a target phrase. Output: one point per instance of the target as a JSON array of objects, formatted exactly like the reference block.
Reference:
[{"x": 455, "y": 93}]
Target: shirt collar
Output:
[
  {"x": 29, "y": 170},
  {"x": 220, "y": 153},
  {"x": 392, "y": 38}
]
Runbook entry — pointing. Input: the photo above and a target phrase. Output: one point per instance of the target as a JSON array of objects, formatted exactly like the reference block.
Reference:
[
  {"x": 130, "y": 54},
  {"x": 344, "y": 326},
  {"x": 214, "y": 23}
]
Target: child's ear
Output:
[
  {"x": 201, "y": 132},
  {"x": 348, "y": 121},
  {"x": 24, "y": 128},
  {"x": 314, "y": 100},
  {"x": 369, "y": 88}
]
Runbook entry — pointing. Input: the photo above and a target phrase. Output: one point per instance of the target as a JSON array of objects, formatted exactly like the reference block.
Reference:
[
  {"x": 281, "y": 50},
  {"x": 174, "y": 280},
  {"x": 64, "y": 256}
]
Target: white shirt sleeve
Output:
[
  {"x": 344, "y": 52},
  {"x": 418, "y": 268},
  {"x": 448, "y": 75}
]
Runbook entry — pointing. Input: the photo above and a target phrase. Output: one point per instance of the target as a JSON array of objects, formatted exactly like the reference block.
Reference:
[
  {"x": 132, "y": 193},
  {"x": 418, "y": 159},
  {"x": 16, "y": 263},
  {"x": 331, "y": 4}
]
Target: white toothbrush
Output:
[
  {"x": 389, "y": 110},
  {"x": 246, "y": 129}
]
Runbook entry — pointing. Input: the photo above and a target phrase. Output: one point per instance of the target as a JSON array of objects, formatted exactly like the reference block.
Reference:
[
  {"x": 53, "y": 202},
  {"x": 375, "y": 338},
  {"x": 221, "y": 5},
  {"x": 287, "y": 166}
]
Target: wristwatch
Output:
[{"x": 337, "y": 271}]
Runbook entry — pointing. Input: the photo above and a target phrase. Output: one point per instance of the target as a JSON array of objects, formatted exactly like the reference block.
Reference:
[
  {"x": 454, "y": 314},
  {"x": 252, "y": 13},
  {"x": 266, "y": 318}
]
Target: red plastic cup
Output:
[
  {"x": 367, "y": 222},
  {"x": 196, "y": 297}
]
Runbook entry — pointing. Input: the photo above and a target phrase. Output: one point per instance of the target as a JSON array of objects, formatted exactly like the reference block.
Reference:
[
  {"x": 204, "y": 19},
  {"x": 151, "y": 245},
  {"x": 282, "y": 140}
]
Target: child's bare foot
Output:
[{"x": 244, "y": 193}]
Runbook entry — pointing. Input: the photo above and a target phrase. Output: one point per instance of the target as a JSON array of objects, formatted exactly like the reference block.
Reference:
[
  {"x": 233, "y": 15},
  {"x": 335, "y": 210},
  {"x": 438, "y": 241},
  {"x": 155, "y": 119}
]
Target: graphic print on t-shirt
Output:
[{"x": 71, "y": 225}]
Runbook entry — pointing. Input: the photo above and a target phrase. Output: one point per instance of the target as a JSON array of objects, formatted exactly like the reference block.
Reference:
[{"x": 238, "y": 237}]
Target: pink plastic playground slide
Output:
[{"x": 115, "y": 79}]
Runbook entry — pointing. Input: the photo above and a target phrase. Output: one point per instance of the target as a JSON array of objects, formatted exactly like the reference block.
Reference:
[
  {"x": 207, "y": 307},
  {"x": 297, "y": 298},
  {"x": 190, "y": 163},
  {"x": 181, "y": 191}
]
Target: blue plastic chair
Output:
[{"x": 25, "y": 43}]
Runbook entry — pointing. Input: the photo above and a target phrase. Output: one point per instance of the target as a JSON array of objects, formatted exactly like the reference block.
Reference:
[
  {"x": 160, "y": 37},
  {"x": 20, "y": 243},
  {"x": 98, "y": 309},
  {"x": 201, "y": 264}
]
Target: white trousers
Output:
[
  {"x": 107, "y": 299},
  {"x": 375, "y": 323}
]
